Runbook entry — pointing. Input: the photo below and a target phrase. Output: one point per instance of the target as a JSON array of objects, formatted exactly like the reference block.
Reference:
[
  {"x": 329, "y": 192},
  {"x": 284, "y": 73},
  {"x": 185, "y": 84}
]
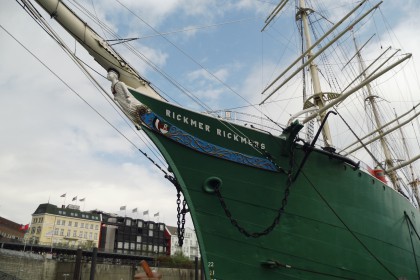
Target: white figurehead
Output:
[{"x": 124, "y": 98}]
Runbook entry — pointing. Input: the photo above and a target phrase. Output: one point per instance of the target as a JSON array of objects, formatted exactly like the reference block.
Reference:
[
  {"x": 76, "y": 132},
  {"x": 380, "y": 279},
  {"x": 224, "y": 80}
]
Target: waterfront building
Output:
[
  {"x": 64, "y": 226},
  {"x": 190, "y": 247},
  {"x": 10, "y": 231},
  {"x": 127, "y": 235}
]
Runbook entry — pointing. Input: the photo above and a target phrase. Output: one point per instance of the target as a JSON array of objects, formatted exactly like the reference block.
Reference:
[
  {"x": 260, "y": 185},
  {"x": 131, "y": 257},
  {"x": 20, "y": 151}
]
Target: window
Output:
[
  {"x": 63, "y": 222},
  {"x": 150, "y": 232},
  {"x": 68, "y": 233},
  {"x": 38, "y": 230},
  {"x": 132, "y": 246},
  {"x": 150, "y": 248},
  {"x": 33, "y": 230},
  {"x": 56, "y": 231},
  {"x": 126, "y": 245},
  {"x": 138, "y": 247},
  {"x": 128, "y": 222},
  {"x": 151, "y": 226},
  {"x": 95, "y": 236},
  {"x": 91, "y": 226},
  {"x": 90, "y": 235},
  {"x": 86, "y": 225},
  {"x": 139, "y": 224},
  {"x": 120, "y": 245},
  {"x": 80, "y": 234},
  {"x": 138, "y": 238},
  {"x": 82, "y": 225},
  {"x": 85, "y": 235},
  {"x": 96, "y": 227},
  {"x": 161, "y": 227},
  {"x": 74, "y": 233},
  {"x": 70, "y": 222},
  {"x": 58, "y": 222},
  {"x": 76, "y": 224},
  {"x": 62, "y": 232}
]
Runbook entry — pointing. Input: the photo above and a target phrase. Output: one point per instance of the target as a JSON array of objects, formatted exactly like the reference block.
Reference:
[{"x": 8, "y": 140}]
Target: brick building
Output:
[{"x": 10, "y": 231}]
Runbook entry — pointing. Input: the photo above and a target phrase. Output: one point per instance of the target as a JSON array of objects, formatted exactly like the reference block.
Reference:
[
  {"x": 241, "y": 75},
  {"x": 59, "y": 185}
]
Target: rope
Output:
[
  {"x": 348, "y": 228},
  {"x": 411, "y": 239},
  {"x": 87, "y": 103}
]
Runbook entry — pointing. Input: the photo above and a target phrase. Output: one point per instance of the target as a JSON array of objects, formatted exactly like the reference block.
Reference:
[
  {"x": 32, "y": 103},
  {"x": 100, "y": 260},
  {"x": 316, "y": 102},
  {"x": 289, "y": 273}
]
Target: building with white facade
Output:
[{"x": 190, "y": 247}]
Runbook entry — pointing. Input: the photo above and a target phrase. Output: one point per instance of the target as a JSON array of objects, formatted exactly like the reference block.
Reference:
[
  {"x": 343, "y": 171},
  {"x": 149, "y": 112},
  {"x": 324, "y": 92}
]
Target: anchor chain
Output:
[
  {"x": 181, "y": 217},
  {"x": 280, "y": 211},
  {"x": 180, "y": 213}
]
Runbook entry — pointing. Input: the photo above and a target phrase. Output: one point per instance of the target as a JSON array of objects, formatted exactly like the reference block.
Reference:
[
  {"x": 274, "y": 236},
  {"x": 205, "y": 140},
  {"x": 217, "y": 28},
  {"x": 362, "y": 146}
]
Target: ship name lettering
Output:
[
  {"x": 240, "y": 139},
  {"x": 186, "y": 120},
  {"x": 219, "y": 132}
]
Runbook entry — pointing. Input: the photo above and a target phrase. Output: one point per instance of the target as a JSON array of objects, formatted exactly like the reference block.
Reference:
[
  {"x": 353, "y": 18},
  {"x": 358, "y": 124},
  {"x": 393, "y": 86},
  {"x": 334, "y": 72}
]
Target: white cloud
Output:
[{"x": 53, "y": 143}]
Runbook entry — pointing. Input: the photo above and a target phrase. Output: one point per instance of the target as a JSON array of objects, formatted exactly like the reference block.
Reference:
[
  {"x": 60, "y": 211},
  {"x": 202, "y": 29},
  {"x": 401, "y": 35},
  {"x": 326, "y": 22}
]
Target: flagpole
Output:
[
  {"x": 146, "y": 213},
  {"x": 64, "y": 196},
  {"x": 125, "y": 210},
  {"x": 135, "y": 210},
  {"x": 156, "y": 215},
  {"x": 84, "y": 202}
]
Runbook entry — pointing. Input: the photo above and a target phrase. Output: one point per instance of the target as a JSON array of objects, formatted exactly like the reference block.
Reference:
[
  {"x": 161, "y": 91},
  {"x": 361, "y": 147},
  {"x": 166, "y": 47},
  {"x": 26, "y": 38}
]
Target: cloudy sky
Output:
[{"x": 53, "y": 143}]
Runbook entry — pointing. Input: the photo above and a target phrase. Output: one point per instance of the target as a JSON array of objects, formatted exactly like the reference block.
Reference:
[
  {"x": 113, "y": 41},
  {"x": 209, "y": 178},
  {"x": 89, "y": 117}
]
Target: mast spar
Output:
[
  {"x": 97, "y": 47},
  {"x": 413, "y": 180},
  {"x": 313, "y": 70},
  {"x": 370, "y": 99}
]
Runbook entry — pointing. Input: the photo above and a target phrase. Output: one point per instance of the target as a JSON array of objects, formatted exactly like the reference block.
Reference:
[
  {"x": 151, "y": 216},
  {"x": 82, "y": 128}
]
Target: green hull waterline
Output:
[{"x": 339, "y": 222}]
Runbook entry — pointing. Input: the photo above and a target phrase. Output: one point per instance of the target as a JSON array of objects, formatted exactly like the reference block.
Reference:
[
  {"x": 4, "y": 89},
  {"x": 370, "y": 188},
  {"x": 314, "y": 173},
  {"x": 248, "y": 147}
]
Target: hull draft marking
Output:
[{"x": 158, "y": 124}]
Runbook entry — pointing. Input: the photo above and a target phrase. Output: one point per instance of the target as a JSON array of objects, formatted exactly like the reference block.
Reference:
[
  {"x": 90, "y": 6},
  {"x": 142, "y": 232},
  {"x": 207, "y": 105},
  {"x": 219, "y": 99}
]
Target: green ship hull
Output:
[
  {"x": 267, "y": 206},
  {"x": 337, "y": 221}
]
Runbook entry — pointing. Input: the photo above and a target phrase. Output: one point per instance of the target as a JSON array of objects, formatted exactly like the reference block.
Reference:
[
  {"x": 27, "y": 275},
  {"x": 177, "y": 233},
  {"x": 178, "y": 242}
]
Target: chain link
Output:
[
  {"x": 280, "y": 211},
  {"x": 181, "y": 220}
]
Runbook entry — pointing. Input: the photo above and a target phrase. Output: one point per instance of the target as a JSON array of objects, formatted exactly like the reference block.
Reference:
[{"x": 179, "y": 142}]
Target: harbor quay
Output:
[{"x": 38, "y": 265}]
